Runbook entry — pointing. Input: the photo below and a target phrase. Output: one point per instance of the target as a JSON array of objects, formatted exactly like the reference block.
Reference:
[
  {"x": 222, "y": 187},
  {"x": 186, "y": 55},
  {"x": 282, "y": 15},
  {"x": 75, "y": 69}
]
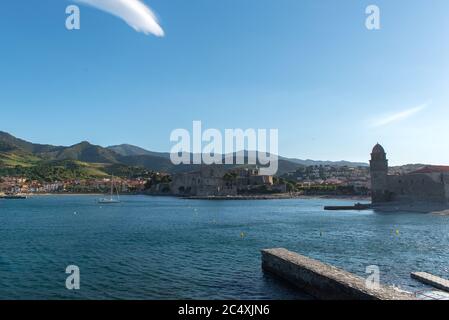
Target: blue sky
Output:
[{"x": 309, "y": 68}]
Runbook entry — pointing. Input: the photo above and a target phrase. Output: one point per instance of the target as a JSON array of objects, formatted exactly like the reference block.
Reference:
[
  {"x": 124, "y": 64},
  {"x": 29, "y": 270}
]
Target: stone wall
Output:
[
  {"x": 446, "y": 185},
  {"x": 323, "y": 281},
  {"x": 208, "y": 181},
  {"x": 417, "y": 187}
]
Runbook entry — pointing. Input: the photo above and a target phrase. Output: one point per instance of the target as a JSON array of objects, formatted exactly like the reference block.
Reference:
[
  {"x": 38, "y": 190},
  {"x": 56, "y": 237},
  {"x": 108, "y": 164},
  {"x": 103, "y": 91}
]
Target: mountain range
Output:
[{"x": 86, "y": 159}]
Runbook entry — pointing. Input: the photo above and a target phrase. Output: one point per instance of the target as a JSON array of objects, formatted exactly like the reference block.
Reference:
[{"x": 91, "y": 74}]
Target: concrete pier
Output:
[
  {"x": 356, "y": 207},
  {"x": 323, "y": 281},
  {"x": 431, "y": 280}
]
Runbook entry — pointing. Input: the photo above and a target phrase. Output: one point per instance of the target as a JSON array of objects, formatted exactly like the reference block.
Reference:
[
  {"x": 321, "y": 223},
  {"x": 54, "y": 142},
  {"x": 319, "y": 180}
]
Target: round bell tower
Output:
[{"x": 379, "y": 175}]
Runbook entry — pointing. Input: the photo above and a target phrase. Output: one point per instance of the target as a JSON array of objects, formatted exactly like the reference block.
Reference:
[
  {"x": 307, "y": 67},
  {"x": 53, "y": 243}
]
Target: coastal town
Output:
[
  {"x": 208, "y": 181},
  {"x": 19, "y": 185},
  {"x": 379, "y": 180}
]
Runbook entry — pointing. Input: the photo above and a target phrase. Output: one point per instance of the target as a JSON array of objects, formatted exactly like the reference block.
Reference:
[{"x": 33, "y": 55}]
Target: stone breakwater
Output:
[
  {"x": 322, "y": 281},
  {"x": 245, "y": 197},
  {"x": 430, "y": 279},
  {"x": 277, "y": 196}
]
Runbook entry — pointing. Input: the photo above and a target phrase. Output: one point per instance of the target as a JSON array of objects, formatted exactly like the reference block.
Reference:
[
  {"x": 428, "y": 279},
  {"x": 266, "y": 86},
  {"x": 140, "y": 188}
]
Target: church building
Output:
[{"x": 430, "y": 183}]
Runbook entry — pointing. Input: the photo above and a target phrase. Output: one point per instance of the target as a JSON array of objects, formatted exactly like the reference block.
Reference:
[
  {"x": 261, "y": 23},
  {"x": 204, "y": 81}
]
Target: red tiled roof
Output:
[{"x": 433, "y": 169}]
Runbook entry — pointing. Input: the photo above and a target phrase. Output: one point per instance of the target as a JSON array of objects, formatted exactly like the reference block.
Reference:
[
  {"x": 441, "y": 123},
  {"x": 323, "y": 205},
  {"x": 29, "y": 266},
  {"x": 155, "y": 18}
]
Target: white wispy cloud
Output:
[
  {"x": 396, "y": 117},
  {"x": 133, "y": 12}
]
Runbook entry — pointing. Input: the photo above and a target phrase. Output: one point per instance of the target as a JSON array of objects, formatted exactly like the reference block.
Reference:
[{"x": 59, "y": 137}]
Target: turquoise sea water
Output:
[{"x": 166, "y": 248}]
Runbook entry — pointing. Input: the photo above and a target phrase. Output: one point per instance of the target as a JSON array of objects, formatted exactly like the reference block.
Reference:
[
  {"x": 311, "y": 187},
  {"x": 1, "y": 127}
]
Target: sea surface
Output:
[{"x": 167, "y": 248}]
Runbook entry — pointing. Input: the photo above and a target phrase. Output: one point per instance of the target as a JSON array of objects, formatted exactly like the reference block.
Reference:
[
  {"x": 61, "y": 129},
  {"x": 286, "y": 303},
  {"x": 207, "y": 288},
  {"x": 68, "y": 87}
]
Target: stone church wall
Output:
[{"x": 419, "y": 187}]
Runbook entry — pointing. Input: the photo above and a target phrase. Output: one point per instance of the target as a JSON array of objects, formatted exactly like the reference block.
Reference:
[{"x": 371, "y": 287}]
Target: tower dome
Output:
[{"x": 378, "y": 149}]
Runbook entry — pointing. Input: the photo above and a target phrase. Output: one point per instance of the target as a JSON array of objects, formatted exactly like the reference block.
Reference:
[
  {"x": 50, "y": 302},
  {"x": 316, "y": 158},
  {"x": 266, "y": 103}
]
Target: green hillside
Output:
[
  {"x": 85, "y": 152},
  {"x": 85, "y": 160},
  {"x": 54, "y": 170},
  {"x": 49, "y": 171},
  {"x": 49, "y": 163},
  {"x": 13, "y": 159}
]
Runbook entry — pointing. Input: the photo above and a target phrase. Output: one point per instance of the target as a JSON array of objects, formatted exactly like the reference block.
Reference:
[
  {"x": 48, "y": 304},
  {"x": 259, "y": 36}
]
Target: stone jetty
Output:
[{"x": 322, "y": 281}]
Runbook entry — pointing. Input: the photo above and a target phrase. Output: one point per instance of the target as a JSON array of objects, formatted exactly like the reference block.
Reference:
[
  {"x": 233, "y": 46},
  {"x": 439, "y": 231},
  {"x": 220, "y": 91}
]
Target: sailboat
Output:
[{"x": 111, "y": 199}]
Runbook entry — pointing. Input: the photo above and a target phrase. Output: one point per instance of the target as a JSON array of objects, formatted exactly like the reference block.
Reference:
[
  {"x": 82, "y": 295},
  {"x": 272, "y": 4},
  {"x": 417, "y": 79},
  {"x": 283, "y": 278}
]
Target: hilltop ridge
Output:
[{"x": 18, "y": 156}]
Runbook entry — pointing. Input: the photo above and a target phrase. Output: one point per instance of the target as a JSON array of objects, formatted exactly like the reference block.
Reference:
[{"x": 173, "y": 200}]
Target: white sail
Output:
[{"x": 111, "y": 198}]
